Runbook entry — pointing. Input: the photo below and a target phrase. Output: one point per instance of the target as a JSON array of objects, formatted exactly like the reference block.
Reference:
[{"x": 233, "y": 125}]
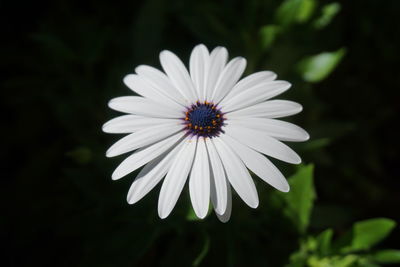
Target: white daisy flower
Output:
[{"x": 206, "y": 126}]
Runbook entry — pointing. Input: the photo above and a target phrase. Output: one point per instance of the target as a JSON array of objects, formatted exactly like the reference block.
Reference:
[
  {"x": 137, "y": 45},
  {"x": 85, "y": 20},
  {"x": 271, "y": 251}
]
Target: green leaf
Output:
[
  {"x": 301, "y": 197},
  {"x": 366, "y": 234},
  {"x": 314, "y": 261},
  {"x": 386, "y": 256},
  {"x": 295, "y": 11},
  {"x": 370, "y": 232},
  {"x": 365, "y": 262},
  {"x": 336, "y": 261},
  {"x": 329, "y": 11},
  {"x": 324, "y": 242},
  {"x": 305, "y": 10},
  {"x": 268, "y": 35},
  {"x": 318, "y": 67},
  {"x": 299, "y": 257},
  {"x": 346, "y": 261},
  {"x": 203, "y": 252}
]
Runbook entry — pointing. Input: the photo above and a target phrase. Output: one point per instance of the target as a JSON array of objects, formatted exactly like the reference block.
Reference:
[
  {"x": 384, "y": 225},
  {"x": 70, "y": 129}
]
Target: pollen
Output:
[{"x": 204, "y": 119}]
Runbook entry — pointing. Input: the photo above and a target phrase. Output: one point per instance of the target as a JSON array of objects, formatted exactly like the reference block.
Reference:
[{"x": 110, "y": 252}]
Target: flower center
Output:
[{"x": 204, "y": 119}]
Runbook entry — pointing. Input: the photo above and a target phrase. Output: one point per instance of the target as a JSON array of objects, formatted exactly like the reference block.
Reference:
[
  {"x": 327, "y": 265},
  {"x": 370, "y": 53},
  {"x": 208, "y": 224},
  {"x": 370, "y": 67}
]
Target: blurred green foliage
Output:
[
  {"x": 353, "y": 248},
  {"x": 328, "y": 12},
  {"x": 62, "y": 61},
  {"x": 294, "y": 11},
  {"x": 301, "y": 199},
  {"x": 317, "y": 68}
]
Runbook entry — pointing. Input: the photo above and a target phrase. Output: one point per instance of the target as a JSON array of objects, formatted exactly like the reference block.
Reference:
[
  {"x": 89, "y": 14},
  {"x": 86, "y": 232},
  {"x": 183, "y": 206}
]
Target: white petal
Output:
[
  {"x": 140, "y": 85},
  {"x": 145, "y": 107},
  {"x": 280, "y": 130},
  {"x": 268, "y": 109},
  {"x": 178, "y": 75},
  {"x": 228, "y": 78},
  {"x": 249, "y": 82},
  {"x": 218, "y": 58},
  {"x": 199, "y": 61},
  {"x": 263, "y": 143},
  {"x": 152, "y": 174},
  {"x": 227, "y": 214},
  {"x": 258, "y": 164},
  {"x": 144, "y": 155},
  {"x": 161, "y": 82},
  {"x": 218, "y": 179},
  {"x": 199, "y": 182},
  {"x": 176, "y": 178},
  {"x": 143, "y": 138},
  {"x": 132, "y": 123},
  {"x": 256, "y": 94},
  {"x": 237, "y": 173}
]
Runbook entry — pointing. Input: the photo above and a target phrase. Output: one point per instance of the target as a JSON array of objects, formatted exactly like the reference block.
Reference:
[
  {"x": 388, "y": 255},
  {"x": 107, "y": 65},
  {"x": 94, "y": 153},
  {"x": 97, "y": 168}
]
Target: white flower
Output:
[{"x": 206, "y": 126}]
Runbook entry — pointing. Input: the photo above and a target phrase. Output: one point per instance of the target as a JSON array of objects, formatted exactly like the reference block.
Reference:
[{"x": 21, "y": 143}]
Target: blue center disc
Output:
[{"x": 204, "y": 119}]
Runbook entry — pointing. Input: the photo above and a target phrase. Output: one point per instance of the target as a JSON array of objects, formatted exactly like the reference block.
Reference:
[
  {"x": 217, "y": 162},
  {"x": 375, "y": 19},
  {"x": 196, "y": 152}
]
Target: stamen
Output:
[{"x": 204, "y": 119}]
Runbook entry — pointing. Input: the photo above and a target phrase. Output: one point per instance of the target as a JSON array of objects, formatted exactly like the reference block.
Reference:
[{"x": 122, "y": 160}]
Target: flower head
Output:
[{"x": 204, "y": 125}]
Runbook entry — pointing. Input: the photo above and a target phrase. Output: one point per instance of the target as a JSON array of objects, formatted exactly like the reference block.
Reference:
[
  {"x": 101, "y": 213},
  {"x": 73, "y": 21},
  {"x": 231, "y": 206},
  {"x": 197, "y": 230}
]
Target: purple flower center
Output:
[{"x": 204, "y": 119}]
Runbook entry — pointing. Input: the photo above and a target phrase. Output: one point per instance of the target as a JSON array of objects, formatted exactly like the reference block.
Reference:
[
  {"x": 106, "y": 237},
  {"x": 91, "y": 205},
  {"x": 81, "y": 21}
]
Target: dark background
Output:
[{"x": 61, "y": 62}]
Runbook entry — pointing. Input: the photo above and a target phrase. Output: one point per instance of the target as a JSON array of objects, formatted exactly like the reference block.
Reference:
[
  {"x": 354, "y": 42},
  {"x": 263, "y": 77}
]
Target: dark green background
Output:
[{"x": 60, "y": 63}]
